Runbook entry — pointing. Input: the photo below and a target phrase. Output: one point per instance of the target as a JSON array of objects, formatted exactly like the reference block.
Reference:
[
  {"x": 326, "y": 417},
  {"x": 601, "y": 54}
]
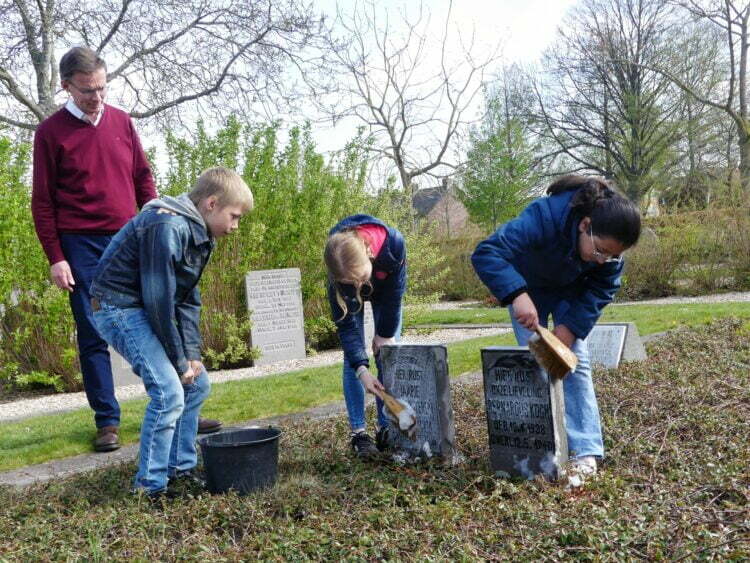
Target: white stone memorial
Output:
[
  {"x": 274, "y": 299},
  {"x": 122, "y": 373},
  {"x": 611, "y": 343}
]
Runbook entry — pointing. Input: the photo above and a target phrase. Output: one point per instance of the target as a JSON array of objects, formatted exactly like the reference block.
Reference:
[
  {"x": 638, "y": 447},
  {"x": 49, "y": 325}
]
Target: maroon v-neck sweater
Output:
[{"x": 87, "y": 179}]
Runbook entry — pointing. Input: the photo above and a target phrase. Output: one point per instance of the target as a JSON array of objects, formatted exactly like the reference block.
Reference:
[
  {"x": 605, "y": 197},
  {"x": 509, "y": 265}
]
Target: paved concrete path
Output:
[{"x": 63, "y": 402}]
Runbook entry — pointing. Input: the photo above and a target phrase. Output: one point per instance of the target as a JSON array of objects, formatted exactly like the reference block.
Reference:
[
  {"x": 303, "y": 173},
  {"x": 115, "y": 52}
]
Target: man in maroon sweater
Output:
[{"x": 90, "y": 176}]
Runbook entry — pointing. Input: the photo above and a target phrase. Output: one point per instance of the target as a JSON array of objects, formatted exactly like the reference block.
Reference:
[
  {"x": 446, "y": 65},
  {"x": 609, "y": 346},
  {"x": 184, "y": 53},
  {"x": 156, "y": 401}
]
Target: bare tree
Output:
[
  {"x": 412, "y": 95},
  {"x": 161, "y": 53},
  {"x": 733, "y": 19},
  {"x": 699, "y": 59},
  {"x": 605, "y": 110}
]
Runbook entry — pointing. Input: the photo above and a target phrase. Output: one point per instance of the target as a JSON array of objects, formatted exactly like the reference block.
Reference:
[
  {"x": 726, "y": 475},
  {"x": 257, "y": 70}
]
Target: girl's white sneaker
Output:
[{"x": 579, "y": 468}]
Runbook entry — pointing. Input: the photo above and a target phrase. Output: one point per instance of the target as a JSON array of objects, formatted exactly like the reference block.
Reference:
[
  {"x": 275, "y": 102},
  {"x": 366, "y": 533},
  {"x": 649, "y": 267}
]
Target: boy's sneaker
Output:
[
  {"x": 363, "y": 446},
  {"x": 154, "y": 497},
  {"x": 189, "y": 478},
  {"x": 381, "y": 439}
]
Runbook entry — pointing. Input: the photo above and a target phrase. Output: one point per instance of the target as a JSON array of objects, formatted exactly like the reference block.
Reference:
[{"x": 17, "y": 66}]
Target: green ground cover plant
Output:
[{"x": 675, "y": 486}]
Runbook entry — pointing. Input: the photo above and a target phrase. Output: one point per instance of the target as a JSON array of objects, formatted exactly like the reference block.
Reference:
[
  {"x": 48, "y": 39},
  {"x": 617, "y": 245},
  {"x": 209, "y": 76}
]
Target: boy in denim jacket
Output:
[{"x": 146, "y": 305}]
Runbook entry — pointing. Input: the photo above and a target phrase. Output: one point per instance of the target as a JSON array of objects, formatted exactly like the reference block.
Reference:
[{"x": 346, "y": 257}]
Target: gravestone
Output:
[
  {"x": 274, "y": 299},
  {"x": 122, "y": 373},
  {"x": 611, "y": 343},
  {"x": 525, "y": 415},
  {"x": 418, "y": 374}
]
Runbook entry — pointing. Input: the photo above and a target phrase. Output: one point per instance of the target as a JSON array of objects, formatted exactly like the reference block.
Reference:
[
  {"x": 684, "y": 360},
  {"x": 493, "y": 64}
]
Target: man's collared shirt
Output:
[{"x": 75, "y": 110}]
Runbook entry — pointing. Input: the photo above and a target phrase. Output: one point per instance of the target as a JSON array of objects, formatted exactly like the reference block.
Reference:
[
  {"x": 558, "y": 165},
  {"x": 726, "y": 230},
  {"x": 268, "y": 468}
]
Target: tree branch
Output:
[{"x": 115, "y": 26}]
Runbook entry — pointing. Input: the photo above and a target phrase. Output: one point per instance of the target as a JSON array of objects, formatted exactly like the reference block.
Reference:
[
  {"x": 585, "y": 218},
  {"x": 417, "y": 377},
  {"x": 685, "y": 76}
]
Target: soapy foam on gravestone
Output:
[{"x": 407, "y": 420}]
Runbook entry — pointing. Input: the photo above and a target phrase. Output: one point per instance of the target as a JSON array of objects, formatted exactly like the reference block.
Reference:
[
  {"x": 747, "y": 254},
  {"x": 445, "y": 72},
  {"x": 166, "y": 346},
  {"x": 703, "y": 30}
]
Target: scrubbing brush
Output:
[
  {"x": 554, "y": 356},
  {"x": 401, "y": 413}
]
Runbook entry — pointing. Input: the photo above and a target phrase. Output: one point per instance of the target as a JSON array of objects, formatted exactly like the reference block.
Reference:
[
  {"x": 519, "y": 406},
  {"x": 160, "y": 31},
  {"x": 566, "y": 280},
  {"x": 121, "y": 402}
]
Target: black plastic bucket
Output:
[{"x": 243, "y": 460}]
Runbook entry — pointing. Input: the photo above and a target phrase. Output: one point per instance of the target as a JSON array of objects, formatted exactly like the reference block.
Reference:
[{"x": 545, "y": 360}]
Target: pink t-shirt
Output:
[{"x": 375, "y": 236}]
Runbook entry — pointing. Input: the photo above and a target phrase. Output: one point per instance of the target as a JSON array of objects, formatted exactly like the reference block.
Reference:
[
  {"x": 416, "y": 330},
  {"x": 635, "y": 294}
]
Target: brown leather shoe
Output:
[
  {"x": 106, "y": 439},
  {"x": 208, "y": 426}
]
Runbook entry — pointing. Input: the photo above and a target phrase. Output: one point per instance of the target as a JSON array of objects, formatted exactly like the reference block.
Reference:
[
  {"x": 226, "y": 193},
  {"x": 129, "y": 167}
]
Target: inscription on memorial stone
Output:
[
  {"x": 612, "y": 343},
  {"x": 605, "y": 344},
  {"x": 274, "y": 298},
  {"x": 525, "y": 415},
  {"x": 418, "y": 374}
]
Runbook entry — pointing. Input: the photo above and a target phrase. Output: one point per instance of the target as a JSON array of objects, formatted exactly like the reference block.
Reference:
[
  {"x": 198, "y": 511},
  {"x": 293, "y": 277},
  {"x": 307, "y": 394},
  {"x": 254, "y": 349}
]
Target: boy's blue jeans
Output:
[
  {"x": 354, "y": 391},
  {"x": 581, "y": 409},
  {"x": 170, "y": 424}
]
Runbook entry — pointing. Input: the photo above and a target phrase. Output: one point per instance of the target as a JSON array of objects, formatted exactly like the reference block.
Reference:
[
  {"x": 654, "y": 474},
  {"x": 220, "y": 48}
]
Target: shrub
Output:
[
  {"x": 37, "y": 336},
  {"x": 298, "y": 198},
  {"x": 462, "y": 281}
]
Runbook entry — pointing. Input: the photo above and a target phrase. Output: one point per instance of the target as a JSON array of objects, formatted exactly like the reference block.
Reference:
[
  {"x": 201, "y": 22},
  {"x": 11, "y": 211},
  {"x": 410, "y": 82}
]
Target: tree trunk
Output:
[{"x": 744, "y": 145}]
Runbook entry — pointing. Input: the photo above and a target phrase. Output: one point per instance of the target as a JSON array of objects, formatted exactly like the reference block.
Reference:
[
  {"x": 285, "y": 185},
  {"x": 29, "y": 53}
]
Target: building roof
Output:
[{"x": 425, "y": 199}]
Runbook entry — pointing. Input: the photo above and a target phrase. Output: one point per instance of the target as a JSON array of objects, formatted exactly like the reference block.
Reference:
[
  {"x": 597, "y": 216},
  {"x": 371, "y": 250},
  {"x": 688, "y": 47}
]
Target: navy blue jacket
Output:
[
  {"x": 155, "y": 262},
  {"x": 386, "y": 293},
  {"x": 537, "y": 252}
]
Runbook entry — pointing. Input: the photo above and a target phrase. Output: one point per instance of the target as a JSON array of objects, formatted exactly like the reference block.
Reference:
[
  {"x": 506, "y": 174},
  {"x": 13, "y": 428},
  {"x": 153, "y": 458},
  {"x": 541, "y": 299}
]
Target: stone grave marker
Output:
[
  {"x": 525, "y": 415},
  {"x": 418, "y": 373},
  {"x": 274, "y": 298},
  {"x": 611, "y": 343},
  {"x": 122, "y": 373}
]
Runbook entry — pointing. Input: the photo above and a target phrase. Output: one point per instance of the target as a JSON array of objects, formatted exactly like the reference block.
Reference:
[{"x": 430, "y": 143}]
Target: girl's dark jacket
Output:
[
  {"x": 386, "y": 293},
  {"x": 537, "y": 252}
]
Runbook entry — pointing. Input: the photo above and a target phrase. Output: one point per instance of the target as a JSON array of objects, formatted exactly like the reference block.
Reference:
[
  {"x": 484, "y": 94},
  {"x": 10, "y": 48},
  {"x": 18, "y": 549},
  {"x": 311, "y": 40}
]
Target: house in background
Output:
[{"x": 440, "y": 208}]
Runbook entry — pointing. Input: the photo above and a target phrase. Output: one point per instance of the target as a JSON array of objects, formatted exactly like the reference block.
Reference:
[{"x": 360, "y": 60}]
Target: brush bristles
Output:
[{"x": 548, "y": 358}]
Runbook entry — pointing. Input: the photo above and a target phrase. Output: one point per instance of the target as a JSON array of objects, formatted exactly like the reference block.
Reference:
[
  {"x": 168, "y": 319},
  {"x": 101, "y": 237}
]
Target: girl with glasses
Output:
[
  {"x": 562, "y": 257},
  {"x": 366, "y": 261}
]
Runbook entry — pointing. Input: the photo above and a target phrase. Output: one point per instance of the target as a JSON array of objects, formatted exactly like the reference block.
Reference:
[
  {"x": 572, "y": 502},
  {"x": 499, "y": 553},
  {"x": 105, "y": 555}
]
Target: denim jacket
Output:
[
  {"x": 386, "y": 292},
  {"x": 537, "y": 252},
  {"x": 155, "y": 262}
]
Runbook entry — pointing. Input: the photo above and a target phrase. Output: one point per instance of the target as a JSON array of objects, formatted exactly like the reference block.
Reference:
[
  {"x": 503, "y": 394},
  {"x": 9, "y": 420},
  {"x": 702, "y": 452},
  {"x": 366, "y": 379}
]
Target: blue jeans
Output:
[
  {"x": 170, "y": 424},
  {"x": 581, "y": 409},
  {"x": 354, "y": 391},
  {"x": 82, "y": 253}
]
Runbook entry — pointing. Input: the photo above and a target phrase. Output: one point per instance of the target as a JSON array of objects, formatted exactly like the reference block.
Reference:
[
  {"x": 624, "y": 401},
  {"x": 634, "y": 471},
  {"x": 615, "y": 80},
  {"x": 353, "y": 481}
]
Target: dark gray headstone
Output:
[
  {"x": 122, "y": 373},
  {"x": 274, "y": 298},
  {"x": 418, "y": 374},
  {"x": 525, "y": 415},
  {"x": 612, "y": 343}
]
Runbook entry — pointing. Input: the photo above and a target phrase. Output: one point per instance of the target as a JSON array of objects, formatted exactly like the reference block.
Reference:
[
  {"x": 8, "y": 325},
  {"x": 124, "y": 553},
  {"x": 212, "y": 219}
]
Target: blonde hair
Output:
[
  {"x": 347, "y": 262},
  {"x": 228, "y": 187}
]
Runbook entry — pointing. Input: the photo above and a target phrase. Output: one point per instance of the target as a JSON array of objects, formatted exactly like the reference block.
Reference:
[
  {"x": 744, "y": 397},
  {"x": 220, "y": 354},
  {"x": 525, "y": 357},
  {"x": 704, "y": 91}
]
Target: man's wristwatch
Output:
[{"x": 361, "y": 370}]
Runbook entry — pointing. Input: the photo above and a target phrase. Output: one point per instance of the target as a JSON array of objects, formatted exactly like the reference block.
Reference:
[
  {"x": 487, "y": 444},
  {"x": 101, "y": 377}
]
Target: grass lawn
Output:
[
  {"x": 675, "y": 486},
  {"x": 649, "y": 318}
]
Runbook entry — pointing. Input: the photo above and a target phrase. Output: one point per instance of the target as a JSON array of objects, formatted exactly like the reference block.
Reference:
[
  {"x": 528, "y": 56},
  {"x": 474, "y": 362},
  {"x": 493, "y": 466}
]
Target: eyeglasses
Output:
[
  {"x": 90, "y": 91},
  {"x": 598, "y": 254}
]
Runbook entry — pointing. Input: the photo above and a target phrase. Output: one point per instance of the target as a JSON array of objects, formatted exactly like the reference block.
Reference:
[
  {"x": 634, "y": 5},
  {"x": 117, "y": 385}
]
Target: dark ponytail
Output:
[{"x": 612, "y": 214}]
